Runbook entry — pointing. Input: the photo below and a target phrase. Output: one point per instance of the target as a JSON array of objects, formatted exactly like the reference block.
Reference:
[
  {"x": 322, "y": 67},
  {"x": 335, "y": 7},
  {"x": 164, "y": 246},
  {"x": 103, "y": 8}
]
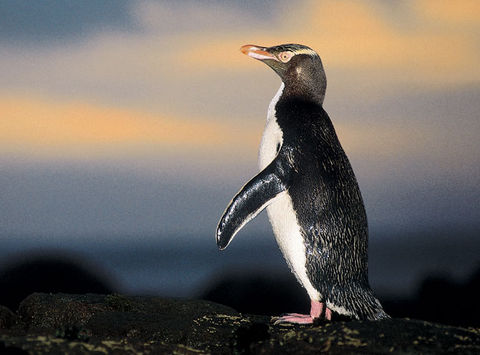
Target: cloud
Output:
[
  {"x": 181, "y": 82},
  {"x": 167, "y": 97},
  {"x": 184, "y": 57},
  {"x": 39, "y": 127},
  {"x": 193, "y": 17},
  {"x": 52, "y": 20},
  {"x": 357, "y": 37},
  {"x": 460, "y": 15}
]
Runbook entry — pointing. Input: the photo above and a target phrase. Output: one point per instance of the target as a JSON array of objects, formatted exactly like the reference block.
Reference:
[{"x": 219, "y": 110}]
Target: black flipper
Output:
[{"x": 252, "y": 199}]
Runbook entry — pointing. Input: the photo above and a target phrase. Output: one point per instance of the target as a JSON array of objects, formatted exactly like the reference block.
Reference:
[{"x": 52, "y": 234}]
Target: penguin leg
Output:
[
  {"x": 328, "y": 313},
  {"x": 316, "y": 310}
]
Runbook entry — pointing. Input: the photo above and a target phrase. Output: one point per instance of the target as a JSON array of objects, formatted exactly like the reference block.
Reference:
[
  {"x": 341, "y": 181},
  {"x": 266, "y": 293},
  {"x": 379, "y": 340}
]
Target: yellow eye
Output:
[{"x": 285, "y": 56}]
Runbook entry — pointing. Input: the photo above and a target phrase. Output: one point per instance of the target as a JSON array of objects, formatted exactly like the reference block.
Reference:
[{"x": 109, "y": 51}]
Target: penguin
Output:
[{"x": 310, "y": 192}]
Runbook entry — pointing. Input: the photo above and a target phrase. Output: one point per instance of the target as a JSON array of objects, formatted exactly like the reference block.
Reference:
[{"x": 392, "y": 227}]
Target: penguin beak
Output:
[
  {"x": 257, "y": 52},
  {"x": 263, "y": 54}
]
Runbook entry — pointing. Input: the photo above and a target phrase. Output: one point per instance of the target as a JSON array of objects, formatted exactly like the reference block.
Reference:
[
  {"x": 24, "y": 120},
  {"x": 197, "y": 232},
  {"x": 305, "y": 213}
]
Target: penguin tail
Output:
[
  {"x": 371, "y": 308},
  {"x": 357, "y": 302}
]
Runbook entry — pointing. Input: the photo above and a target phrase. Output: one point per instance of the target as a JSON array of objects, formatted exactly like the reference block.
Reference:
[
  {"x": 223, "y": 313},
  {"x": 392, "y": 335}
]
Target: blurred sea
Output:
[{"x": 186, "y": 266}]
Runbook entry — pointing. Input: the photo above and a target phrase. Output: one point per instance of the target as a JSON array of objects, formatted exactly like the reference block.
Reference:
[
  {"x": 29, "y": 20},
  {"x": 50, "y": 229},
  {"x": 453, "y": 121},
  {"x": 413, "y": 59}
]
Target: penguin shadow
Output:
[
  {"x": 49, "y": 273},
  {"x": 443, "y": 300}
]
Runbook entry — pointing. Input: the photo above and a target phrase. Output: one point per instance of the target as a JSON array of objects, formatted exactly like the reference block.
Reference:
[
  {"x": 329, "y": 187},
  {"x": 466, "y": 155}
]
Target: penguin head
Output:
[{"x": 299, "y": 67}]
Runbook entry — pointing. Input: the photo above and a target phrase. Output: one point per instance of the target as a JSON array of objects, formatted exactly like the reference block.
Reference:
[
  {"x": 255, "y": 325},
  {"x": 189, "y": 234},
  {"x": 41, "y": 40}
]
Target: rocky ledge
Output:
[{"x": 80, "y": 324}]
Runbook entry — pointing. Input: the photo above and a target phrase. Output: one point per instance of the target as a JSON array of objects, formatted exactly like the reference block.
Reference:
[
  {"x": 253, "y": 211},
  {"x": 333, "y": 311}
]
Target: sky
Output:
[{"x": 123, "y": 118}]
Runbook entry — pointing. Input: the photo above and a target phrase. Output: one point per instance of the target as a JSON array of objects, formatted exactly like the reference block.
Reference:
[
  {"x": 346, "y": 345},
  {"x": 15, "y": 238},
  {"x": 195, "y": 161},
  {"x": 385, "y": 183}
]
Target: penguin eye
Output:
[{"x": 285, "y": 56}]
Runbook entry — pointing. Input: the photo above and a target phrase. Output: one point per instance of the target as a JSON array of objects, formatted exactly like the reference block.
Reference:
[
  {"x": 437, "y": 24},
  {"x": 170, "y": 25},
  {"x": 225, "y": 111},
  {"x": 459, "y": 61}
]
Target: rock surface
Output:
[
  {"x": 7, "y": 318},
  {"x": 81, "y": 324}
]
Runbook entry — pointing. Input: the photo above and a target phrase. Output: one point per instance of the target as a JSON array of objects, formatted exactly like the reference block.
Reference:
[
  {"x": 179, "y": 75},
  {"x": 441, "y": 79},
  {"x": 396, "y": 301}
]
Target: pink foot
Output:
[{"x": 296, "y": 318}]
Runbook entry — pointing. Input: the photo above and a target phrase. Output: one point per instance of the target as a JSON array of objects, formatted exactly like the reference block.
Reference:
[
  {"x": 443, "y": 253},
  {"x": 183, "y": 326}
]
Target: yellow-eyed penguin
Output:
[{"x": 310, "y": 191}]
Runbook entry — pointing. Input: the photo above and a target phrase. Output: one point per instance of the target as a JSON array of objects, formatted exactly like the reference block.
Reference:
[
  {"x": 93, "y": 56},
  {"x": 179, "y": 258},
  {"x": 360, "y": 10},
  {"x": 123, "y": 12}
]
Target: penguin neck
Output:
[
  {"x": 273, "y": 103},
  {"x": 304, "y": 92}
]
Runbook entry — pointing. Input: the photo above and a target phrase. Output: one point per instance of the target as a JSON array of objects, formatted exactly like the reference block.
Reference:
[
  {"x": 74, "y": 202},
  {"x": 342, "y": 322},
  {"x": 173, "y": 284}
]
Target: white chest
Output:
[
  {"x": 280, "y": 212},
  {"x": 272, "y": 135}
]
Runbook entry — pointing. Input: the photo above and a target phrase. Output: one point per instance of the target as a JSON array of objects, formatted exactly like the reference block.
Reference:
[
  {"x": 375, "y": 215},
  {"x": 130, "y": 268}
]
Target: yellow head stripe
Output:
[{"x": 307, "y": 51}]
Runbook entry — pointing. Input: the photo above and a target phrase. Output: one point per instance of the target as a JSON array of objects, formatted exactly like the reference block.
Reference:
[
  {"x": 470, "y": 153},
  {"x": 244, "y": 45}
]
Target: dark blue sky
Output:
[{"x": 53, "y": 20}]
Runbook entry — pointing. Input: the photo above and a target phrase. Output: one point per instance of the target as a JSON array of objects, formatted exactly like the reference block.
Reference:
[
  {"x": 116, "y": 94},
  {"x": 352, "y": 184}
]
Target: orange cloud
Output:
[
  {"x": 437, "y": 46},
  {"x": 357, "y": 36},
  {"x": 36, "y": 126},
  {"x": 463, "y": 13}
]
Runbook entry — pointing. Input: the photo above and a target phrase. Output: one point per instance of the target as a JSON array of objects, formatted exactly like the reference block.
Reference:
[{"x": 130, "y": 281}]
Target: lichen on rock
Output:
[{"x": 103, "y": 324}]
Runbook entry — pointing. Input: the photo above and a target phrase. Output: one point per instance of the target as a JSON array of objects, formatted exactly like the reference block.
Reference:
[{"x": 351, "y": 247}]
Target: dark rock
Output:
[
  {"x": 11, "y": 350},
  {"x": 398, "y": 336},
  {"x": 49, "y": 273},
  {"x": 81, "y": 324},
  {"x": 7, "y": 317}
]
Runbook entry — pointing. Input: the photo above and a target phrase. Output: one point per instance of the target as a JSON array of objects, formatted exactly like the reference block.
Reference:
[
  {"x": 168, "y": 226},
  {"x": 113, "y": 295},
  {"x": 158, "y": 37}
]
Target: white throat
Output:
[
  {"x": 272, "y": 135},
  {"x": 273, "y": 103}
]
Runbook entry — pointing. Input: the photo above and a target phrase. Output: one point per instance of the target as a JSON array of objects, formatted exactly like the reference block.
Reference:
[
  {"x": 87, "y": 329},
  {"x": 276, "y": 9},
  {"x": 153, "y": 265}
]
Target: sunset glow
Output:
[{"x": 169, "y": 87}]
